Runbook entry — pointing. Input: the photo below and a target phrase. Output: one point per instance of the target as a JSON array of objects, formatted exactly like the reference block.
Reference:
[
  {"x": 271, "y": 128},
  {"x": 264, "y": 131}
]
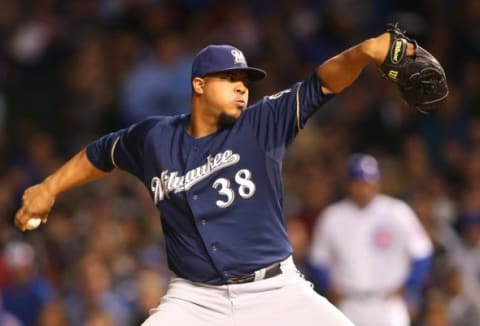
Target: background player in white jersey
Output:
[
  {"x": 369, "y": 250},
  {"x": 215, "y": 177}
]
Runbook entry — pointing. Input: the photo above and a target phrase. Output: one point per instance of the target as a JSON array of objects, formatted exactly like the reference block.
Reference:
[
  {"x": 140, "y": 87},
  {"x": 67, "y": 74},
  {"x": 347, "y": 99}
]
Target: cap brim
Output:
[
  {"x": 363, "y": 177},
  {"x": 253, "y": 74}
]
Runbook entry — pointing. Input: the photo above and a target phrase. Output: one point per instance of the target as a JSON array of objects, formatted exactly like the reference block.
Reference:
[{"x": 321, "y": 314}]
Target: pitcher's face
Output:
[{"x": 226, "y": 94}]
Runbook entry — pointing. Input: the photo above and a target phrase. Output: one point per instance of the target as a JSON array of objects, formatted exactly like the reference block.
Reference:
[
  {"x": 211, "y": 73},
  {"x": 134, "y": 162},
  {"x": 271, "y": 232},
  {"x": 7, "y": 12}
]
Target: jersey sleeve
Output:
[
  {"x": 418, "y": 243},
  {"x": 121, "y": 149},
  {"x": 276, "y": 119}
]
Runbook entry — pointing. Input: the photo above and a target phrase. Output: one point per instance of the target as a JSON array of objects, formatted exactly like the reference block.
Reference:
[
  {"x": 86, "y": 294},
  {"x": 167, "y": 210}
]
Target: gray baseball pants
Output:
[{"x": 284, "y": 300}]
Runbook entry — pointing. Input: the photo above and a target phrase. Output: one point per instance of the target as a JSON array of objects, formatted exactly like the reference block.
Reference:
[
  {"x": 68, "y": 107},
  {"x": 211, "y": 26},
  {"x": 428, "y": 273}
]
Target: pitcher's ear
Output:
[{"x": 198, "y": 85}]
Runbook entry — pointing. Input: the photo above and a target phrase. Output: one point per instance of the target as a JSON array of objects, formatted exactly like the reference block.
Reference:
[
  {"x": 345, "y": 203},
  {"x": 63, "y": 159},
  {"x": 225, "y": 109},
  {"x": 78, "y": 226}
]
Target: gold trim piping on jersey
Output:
[
  {"x": 297, "y": 96},
  {"x": 112, "y": 151}
]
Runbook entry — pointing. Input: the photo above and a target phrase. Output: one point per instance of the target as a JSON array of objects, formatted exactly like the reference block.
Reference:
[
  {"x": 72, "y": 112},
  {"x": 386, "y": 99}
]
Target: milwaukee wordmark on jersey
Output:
[{"x": 172, "y": 181}]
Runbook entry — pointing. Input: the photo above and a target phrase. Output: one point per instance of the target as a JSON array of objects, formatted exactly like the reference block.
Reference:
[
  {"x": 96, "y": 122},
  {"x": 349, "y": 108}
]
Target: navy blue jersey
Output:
[{"x": 219, "y": 196}]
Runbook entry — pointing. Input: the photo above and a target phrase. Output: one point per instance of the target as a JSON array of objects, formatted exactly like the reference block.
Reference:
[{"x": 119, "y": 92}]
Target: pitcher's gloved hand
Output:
[{"x": 419, "y": 77}]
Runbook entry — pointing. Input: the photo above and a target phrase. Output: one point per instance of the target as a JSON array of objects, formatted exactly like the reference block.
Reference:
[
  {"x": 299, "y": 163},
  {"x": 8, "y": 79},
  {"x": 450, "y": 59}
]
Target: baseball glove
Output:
[{"x": 420, "y": 77}]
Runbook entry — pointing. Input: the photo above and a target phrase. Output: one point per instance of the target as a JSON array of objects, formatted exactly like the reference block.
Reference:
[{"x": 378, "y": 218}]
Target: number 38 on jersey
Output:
[{"x": 245, "y": 187}]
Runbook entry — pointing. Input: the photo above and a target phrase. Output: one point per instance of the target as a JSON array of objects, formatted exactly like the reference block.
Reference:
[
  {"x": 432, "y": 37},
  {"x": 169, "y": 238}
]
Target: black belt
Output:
[{"x": 270, "y": 271}]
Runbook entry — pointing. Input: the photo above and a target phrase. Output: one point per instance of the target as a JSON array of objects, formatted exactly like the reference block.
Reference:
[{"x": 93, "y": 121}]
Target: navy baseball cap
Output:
[
  {"x": 220, "y": 58},
  {"x": 363, "y": 167}
]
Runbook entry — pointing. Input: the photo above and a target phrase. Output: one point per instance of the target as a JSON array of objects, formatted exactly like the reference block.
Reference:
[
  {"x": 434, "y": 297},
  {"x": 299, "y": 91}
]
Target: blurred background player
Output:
[{"x": 370, "y": 251}]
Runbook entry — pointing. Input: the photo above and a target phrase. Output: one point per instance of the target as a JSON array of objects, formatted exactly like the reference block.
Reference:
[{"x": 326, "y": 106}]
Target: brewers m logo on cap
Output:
[{"x": 238, "y": 57}]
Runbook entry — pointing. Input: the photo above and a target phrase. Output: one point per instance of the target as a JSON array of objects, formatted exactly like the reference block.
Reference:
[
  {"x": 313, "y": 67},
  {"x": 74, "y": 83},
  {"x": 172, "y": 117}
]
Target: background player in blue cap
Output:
[
  {"x": 215, "y": 177},
  {"x": 387, "y": 255}
]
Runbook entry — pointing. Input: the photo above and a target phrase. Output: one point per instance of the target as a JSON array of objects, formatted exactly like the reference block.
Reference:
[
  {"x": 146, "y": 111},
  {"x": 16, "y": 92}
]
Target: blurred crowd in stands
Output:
[{"x": 72, "y": 70}]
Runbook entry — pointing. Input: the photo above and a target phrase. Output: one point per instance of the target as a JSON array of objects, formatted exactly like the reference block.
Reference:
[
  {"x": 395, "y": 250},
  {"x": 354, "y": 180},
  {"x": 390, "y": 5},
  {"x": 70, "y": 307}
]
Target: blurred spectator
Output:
[
  {"x": 314, "y": 189},
  {"x": 150, "y": 289},
  {"x": 463, "y": 310},
  {"x": 445, "y": 134},
  {"x": 435, "y": 311},
  {"x": 53, "y": 314},
  {"x": 31, "y": 40},
  {"x": 298, "y": 235},
  {"x": 27, "y": 292},
  {"x": 99, "y": 318},
  {"x": 89, "y": 92},
  {"x": 92, "y": 299},
  {"x": 160, "y": 83},
  {"x": 465, "y": 256}
]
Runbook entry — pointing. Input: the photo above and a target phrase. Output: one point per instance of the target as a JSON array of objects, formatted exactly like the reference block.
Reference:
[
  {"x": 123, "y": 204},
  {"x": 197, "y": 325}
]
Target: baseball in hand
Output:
[{"x": 33, "y": 223}]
